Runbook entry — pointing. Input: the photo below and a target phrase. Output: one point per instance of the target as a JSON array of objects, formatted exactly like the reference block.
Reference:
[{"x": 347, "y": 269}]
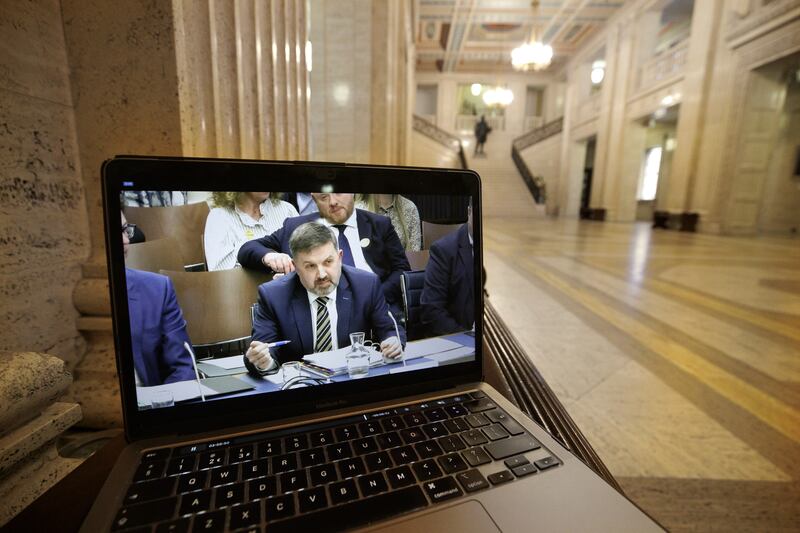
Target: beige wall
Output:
[{"x": 45, "y": 227}]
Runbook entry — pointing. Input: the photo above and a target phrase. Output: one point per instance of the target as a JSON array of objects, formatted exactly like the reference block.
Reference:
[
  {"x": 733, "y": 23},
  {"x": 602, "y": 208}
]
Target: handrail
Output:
[
  {"x": 535, "y": 184},
  {"x": 446, "y": 139}
]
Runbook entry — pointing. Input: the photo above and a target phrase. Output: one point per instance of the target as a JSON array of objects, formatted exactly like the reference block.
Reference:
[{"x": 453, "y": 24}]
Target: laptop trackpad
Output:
[{"x": 468, "y": 517}]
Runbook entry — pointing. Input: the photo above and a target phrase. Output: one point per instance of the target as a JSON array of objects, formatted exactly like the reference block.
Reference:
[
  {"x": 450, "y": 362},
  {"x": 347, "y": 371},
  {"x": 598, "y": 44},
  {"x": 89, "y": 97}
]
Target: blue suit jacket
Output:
[
  {"x": 158, "y": 329},
  {"x": 384, "y": 254},
  {"x": 447, "y": 298},
  {"x": 285, "y": 314}
]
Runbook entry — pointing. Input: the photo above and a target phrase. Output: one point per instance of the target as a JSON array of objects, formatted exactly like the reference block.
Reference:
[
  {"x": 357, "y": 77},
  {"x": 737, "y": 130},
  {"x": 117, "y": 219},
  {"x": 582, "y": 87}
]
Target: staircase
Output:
[{"x": 504, "y": 192}]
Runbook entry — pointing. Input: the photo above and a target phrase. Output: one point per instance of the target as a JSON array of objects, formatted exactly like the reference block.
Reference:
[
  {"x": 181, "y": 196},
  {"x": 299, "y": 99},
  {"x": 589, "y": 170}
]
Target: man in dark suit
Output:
[
  {"x": 318, "y": 305},
  {"x": 158, "y": 329},
  {"x": 447, "y": 296},
  {"x": 368, "y": 242}
]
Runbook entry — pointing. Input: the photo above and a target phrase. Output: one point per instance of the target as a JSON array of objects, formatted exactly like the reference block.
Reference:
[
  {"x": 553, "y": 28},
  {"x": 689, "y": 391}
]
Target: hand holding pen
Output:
[{"x": 258, "y": 354}]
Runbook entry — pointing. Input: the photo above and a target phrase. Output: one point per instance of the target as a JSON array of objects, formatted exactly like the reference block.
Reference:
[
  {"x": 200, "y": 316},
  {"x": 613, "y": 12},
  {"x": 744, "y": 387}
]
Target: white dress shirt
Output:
[
  {"x": 332, "y": 314},
  {"x": 351, "y": 234}
]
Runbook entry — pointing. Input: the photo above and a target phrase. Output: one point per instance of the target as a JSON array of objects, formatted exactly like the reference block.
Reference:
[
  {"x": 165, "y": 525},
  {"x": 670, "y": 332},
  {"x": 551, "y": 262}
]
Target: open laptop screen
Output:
[{"x": 236, "y": 293}]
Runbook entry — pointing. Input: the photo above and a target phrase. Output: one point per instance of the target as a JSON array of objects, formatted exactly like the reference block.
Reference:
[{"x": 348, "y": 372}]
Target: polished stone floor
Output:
[{"x": 677, "y": 354}]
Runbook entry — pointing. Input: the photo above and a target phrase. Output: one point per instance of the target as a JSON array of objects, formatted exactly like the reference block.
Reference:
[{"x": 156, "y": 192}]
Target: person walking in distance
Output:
[{"x": 482, "y": 130}]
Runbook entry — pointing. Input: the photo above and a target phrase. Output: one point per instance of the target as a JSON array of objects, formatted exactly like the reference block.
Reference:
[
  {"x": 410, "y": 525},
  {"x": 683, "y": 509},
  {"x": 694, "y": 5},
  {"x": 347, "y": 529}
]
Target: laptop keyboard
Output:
[{"x": 342, "y": 474}]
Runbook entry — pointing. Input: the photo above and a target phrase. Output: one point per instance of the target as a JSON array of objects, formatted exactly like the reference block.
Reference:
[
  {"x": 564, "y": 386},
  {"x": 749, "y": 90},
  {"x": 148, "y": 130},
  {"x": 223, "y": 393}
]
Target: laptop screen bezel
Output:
[{"x": 198, "y": 174}]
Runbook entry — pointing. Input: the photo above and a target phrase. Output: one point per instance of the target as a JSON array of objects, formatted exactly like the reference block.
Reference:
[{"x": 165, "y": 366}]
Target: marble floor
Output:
[{"x": 677, "y": 354}]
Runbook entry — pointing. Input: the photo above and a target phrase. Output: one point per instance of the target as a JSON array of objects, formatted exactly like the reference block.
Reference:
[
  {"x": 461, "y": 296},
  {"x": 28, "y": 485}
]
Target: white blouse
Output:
[{"x": 228, "y": 229}]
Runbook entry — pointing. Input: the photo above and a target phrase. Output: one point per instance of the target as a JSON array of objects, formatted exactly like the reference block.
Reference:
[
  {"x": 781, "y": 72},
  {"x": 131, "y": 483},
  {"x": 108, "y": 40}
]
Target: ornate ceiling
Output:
[{"x": 478, "y": 35}]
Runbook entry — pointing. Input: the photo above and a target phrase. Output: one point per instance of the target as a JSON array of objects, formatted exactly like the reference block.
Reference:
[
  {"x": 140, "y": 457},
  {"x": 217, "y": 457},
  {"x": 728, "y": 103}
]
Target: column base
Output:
[
  {"x": 593, "y": 213},
  {"x": 685, "y": 221}
]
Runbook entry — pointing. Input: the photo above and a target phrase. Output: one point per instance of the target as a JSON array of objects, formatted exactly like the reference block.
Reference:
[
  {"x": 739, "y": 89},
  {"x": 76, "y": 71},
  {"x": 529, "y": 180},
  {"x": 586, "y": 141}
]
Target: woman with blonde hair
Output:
[
  {"x": 238, "y": 217},
  {"x": 401, "y": 211}
]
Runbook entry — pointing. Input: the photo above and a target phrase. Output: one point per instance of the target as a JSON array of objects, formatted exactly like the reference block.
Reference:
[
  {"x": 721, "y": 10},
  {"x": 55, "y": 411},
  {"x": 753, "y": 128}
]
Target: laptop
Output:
[{"x": 392, "y": 429}]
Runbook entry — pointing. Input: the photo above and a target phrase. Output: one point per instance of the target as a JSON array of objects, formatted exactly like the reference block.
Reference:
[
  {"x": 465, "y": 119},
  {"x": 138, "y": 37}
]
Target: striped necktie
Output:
[{"x": 323, "y": 342}]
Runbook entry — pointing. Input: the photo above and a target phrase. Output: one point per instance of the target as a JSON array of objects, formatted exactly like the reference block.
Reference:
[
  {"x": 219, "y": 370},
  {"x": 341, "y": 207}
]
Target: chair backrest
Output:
[
  {"x": 418, "y": 260},
  {"x": 412, "y": 283},
  {"x": 185, "y": 223},
  {"x": 216, "y": 305},
  {"x": 154, "y": 255},
  {"x": 433, "y": 232}
]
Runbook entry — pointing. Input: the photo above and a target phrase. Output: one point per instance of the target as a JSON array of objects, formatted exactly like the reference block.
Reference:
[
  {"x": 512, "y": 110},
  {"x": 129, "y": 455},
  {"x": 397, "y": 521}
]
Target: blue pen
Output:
[{"x": 279, "y": 343}]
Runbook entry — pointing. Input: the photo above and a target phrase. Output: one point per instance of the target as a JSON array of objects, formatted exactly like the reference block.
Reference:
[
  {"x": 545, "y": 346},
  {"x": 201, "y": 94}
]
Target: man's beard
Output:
[{"x": 324, "y": 291}]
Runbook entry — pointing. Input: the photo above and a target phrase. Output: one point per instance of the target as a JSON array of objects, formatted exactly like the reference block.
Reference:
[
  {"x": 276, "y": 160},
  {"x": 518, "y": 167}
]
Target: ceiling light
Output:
[
  {"x": 498, "y": 96},
  {"x": 598, "y": 72},
  {"x": 475, "y": 89},
  {"x": 536, "y": 56}
]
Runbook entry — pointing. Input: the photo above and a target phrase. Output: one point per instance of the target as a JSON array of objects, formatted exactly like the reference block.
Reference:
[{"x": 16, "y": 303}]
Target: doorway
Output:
[{"x": 586, "y": 185}]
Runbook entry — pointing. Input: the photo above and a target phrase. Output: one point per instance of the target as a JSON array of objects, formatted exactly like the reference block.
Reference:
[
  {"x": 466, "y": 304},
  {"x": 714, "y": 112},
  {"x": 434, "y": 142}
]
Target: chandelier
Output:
[{"x": 532, "y": 56}]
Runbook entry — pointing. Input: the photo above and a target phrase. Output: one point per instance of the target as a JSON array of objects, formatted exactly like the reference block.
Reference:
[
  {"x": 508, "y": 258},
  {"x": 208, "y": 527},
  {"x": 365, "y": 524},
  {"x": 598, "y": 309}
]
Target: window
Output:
[{"x": 648, "y": 183}]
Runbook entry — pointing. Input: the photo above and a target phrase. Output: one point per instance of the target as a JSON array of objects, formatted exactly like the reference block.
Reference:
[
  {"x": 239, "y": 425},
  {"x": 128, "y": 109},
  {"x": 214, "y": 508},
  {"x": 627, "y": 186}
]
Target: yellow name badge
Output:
[{"x": 249, "y": 233}]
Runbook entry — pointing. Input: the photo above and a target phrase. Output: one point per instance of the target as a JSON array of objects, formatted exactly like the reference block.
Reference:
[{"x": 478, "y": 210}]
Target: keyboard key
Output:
[
  {"x": 474, "y": 437},
  {"x": 451, "y": 443},
  {"x": 412, "y": 435},
  {"x": 314, "y": 456},
  {"x": 428, "y": 449},
  {"x": 195, "y": 502},
  {"x": 513, "y": 446},
  {"x": 372, "y": 484},
  {"x": 480, "y": 405},
  {"x": 145, "y": 513},
  {"x": 456, "y": 410},
  {"x": 400, "y": 477},
  {"x": 393, "y": 423},
  {"x": 150, "y": 490},
  {"x": 295, "y": 443},
  {"x": 426, "y": 470},
  {"x": 403, "y": 455},
  {"x": 323, "y": 474},
  {"x": 212, "y": 459},
  {"x": 524, "y": 470},
  {"x": 370, "y": 428},
  {"x": 513, "y": 462},
  {"x": 456, "y": 425},
  {"x": 351, "y": 467},
  {"x": 414, "y": 419},
  {"x": 476, "y": 456},
  {"x": 224, "y": 475},
  {"x": 472, "y": 480},
  {"x": 378, "y": 461},
  {"x": 312, "y": 499},
  {"x": 365, "y": 445},
  {"x": 229, "y": 495},
  {"x": 254, "y": 469},
  {"x": 339, "y": 451},
  {"x": 193, "y": 481},
  {"x": 294, "y": 480},
  {"x": 443, "y": 489},
  {"x": 150, "y": 470},
  {"x": 354, "y": 514},
  {"x": 181, "y": 465},
  {"x": 436, "y": 414},
  {"x": 478, "y": 394},
  {"x": 452, "y": 463},
  {"x": 209, "y": 522},
  {"x": 269, "y": 448},
  {"x": 389, "y": 440},
  {"x": 495, "y": 432},
  {"x": 434, "y": 430},
  {"x": 510, "y": 425},
  {"x": 246, "y": 515},
  {"x": 477, "y": 421},
  {"x": 345, "y": 433},
  {"x": 284, "y": 463},
  {"x": 321, "y": 438},
  {"x": 263, "y": 487},
  {"x": 343, "y": 491},
  {"x": 498, "y": 478},
  {"x": 240, "y": 454},
  {"x": 181, "y": 525},
  {"x": 156, "y": 455},
  {"x": 279, "y": 507},
  {"x": 546, "y": 463}
]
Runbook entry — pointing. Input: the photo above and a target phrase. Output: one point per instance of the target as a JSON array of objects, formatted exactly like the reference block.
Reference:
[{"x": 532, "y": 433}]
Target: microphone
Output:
[
  {"x": 196, "y": 373},
  {"x": 397, "y": 332}
]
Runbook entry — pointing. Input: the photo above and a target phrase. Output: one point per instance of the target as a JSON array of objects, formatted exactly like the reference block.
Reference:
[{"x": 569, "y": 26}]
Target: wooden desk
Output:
[{"x": 507, "y": 369}]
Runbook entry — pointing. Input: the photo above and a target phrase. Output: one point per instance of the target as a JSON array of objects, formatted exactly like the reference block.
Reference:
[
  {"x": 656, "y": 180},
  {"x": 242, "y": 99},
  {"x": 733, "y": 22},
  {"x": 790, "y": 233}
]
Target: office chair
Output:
[{"x": 412, "y": 283}]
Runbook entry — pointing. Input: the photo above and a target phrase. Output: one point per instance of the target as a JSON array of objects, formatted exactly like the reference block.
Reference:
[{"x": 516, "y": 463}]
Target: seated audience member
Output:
[
  {"x": 317, "y": 306},
  {"x": 404, "y": 216},
  {"x": 158, "y": 329},
  {"x": 368, "y": 242},
  {"x": 447, "y": 296},
  {"x": 154, "y": 198},
  {"x": 238, "y": 217},
  {"x": 301, "y": 201}
]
